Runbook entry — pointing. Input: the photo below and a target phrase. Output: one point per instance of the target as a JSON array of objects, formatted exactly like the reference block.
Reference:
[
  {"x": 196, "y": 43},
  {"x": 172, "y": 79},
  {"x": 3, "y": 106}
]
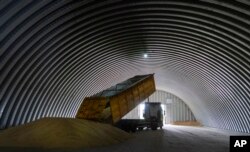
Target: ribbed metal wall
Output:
[
  {"x": 55, "y": 53},
  {"x": 175, "y": 109}
]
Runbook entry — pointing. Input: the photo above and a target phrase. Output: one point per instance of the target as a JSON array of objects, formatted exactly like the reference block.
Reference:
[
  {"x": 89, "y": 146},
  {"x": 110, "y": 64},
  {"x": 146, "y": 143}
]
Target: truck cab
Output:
[
  {"x": 153, "y": 115},
  {"x": 153, "y": 118}
]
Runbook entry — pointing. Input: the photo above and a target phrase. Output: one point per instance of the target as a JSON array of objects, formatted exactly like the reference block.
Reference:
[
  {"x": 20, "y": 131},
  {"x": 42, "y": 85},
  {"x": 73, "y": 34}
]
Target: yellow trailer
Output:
[{"x": 112, "y": 104}]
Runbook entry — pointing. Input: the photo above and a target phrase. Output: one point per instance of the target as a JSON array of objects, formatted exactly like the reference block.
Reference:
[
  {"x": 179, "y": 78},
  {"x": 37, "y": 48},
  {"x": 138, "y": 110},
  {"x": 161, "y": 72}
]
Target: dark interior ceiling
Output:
[{"x": 55, "y": 53}]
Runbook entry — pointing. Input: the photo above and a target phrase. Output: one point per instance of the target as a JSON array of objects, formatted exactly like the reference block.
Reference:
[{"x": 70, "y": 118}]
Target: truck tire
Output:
[
  {"x": 133, "y": 129},
  {"x": 153, "y": 128}
]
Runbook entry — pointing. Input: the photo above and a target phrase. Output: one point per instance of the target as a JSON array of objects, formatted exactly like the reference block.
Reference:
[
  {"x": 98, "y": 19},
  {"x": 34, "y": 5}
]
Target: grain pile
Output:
[
  {"x": 187, "y": 123},
  {"x": 62, "y": 133}
]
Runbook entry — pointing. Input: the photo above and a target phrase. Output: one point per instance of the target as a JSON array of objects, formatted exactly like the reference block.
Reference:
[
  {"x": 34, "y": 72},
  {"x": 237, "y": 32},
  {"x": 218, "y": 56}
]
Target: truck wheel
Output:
[
  {"x": 153, "y": 127},
  {"x": 140, "y": 128},
  {"x": 133, "y": 129}
]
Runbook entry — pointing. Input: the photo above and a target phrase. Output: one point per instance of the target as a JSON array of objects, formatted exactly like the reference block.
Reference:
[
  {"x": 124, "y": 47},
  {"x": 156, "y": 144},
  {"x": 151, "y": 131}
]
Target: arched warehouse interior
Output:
[{"x": 55, "y": 53}]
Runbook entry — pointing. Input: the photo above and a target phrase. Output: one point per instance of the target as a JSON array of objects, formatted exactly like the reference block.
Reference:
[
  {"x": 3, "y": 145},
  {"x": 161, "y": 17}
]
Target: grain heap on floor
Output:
[
  {"x": 62, "y": 132},
  {"x": 187, "y": 123}
]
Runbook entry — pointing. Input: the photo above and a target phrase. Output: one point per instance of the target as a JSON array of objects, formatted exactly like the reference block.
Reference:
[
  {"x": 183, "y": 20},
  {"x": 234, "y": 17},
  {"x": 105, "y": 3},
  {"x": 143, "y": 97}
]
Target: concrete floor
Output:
[{"x": 169, "y": 139}]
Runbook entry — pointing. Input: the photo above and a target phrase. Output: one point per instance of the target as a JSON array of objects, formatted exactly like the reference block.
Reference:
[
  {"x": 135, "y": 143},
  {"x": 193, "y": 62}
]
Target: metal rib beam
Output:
[{"x": 55, "y": 53}]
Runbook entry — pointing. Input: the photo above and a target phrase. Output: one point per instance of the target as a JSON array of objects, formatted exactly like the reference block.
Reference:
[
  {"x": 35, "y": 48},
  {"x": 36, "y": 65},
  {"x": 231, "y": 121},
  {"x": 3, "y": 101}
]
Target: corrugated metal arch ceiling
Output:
[{"x": 55, "y": 53}]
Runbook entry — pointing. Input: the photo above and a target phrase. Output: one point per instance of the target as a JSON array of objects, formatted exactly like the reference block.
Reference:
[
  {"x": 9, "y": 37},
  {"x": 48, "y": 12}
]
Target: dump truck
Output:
[
  {"x": 153, "y": 118},
  {"x": 110, "y": 105}
]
